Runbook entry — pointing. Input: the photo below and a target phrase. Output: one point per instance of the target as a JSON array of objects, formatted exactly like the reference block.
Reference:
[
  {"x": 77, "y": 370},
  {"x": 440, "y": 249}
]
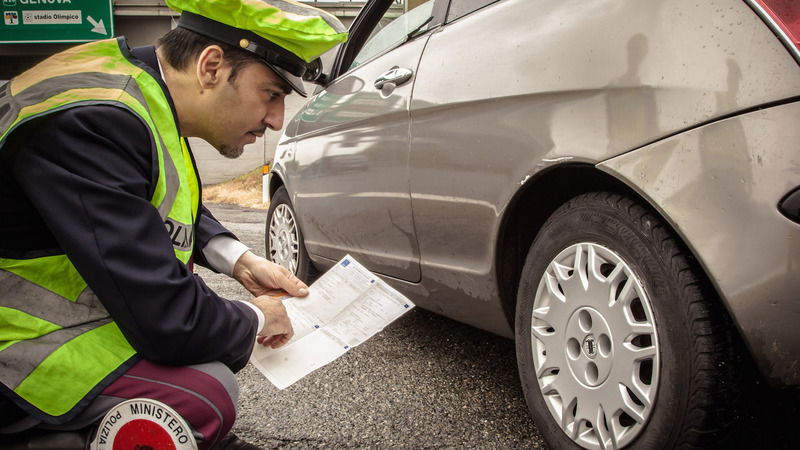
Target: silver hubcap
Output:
[
  {"x": 595, "y": 348},
  {"x": 283, "y": 240}
]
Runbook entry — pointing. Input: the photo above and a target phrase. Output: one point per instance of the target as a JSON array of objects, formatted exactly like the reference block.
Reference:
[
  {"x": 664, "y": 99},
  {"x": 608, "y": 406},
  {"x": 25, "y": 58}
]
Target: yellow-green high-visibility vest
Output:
[{"x": 58, "y": 343}]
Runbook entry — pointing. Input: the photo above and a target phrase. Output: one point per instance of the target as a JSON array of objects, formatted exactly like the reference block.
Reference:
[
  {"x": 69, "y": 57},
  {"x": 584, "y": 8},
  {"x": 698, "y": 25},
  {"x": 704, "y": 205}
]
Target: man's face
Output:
[{"x": 245, "y": 108}]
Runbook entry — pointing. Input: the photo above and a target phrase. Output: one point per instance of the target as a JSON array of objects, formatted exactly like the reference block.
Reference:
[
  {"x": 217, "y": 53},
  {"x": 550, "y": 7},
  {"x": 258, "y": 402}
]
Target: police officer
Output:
[{"x": 102, "y": 219}]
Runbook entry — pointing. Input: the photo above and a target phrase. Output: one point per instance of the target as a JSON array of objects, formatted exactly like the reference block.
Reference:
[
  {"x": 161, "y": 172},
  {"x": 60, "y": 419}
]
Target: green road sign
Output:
[{"x": 55, "y": 21}]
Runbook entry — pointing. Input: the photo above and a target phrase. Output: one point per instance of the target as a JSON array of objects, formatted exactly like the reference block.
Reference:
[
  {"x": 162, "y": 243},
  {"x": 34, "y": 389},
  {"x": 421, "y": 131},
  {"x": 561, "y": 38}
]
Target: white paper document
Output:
[{"x": 344, "y": 307}]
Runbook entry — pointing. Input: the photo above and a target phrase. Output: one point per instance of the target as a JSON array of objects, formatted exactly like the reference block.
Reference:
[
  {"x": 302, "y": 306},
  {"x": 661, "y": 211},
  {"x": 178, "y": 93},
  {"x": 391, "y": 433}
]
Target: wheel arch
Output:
[
  {"x": 531, "y": 206},
  {"x": 275, "y": 182}
]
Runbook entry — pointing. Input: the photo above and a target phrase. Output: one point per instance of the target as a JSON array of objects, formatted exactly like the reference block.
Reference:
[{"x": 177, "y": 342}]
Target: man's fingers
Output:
[
  {"x": 277, "y": 322},
  {"x": 275, "y": 341},
  {"x": 279, "y": 294},
  {"x": 291, "y": 284}
]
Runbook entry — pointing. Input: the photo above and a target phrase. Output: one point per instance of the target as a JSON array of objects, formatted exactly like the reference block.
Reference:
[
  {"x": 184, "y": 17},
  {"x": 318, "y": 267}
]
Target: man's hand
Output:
[
  {"x": 277, "y": 326},
  {"x": 262, "y": 277}
]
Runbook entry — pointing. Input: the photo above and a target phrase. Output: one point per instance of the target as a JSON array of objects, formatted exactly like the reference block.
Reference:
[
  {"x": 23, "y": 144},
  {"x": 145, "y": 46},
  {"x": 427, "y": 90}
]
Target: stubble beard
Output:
[{"x": 230, "y": 152}]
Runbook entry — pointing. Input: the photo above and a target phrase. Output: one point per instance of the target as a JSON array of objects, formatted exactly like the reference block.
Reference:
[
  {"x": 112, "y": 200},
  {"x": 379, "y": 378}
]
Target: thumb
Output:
[{"x": 291, "y": 284}]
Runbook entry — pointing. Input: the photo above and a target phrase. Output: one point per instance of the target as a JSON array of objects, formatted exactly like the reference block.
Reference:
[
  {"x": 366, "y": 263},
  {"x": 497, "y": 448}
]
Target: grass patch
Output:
[{"x": 244, "y": 190}]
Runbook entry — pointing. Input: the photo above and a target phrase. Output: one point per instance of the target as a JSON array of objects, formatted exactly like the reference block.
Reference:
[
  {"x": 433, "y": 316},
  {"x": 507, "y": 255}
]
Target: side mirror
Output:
[{"x": 314, "y": 73}]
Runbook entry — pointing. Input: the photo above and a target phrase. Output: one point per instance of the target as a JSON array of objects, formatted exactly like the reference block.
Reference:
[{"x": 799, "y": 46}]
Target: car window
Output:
[
  {"x": 460, "y": 8},
  {"x": 393, "y": 30}
]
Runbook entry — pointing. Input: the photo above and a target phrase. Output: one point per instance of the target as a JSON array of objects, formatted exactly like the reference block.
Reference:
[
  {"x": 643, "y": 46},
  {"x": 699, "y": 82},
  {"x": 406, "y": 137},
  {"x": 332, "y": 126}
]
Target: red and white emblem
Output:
[{"x": 142, "y": 423}]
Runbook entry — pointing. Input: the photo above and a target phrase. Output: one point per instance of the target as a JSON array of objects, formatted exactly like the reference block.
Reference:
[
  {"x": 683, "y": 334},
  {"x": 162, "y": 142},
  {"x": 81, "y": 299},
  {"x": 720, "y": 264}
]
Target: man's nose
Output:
[{"x": 274, "y": 117}]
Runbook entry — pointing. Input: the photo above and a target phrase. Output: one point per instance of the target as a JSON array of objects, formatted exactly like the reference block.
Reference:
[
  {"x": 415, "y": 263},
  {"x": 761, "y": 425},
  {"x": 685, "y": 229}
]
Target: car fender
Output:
[{"x": 718, "y": 186}]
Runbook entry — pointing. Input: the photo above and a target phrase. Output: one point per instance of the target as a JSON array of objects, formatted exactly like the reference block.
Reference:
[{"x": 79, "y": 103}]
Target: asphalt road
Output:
[
  {"x": 423, "y": 382},
  {"x": 426, "y": 382}
]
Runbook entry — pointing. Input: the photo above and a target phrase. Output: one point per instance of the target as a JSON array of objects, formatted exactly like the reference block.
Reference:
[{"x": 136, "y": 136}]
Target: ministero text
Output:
[{"x": 151, "y": 412}]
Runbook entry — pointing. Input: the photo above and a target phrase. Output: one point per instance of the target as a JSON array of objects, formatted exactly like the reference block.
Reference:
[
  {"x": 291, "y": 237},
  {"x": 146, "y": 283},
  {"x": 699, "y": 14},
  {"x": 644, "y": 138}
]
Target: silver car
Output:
[{"x": 612, "y": 183}]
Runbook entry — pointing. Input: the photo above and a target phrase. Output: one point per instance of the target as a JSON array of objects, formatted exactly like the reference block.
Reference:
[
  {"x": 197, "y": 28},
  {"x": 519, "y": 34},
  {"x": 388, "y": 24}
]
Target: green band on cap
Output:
[{"x": 305, "y": 31}]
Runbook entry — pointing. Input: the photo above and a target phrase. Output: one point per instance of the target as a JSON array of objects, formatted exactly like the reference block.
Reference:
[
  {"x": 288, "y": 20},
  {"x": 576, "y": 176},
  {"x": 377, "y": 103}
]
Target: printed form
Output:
[{"x": 344, "y": 307}]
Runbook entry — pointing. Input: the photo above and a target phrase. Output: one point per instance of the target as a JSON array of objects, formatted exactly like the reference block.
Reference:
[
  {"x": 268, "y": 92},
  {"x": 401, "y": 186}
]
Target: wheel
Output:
[
  {"x": 618, "y": 341},
  {"x": 284, "y": 240}
]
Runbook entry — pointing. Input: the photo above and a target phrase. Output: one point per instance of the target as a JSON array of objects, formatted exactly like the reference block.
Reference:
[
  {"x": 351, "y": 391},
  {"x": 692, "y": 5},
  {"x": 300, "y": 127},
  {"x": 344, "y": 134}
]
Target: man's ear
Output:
[{"x": 210, "y": 66}]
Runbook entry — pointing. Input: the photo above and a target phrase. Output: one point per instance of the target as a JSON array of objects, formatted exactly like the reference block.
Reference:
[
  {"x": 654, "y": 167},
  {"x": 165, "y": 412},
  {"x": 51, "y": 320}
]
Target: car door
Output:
[{"x": 349, "y": 174}]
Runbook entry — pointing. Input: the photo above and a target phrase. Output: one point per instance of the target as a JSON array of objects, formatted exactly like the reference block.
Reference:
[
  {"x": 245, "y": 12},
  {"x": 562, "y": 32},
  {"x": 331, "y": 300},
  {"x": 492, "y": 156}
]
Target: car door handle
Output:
[{"x": 395, "y": 75}]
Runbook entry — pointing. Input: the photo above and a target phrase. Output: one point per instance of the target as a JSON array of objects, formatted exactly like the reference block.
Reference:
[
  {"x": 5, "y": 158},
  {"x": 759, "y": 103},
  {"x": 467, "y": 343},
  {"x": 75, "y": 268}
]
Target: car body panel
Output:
[
  {"x": 598, "y": 83},
  {"x": 700, "y": 181},
  {"x": 500, "y": 122},
  {"x": 351, "y": 151}
]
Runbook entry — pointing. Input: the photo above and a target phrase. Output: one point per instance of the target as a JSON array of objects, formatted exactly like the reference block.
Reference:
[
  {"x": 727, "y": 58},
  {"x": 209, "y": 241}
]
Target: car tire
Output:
[
  {"x": 284, "y": 239},
  {"x": 630, "y": 346}
]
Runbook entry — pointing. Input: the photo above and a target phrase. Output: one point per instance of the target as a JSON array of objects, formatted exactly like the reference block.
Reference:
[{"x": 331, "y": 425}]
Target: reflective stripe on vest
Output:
[{"x": 57, "y": 341}]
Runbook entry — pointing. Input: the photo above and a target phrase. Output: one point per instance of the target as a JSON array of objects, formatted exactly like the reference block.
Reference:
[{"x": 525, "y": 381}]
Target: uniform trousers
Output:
[{"x": 205, "y": 395}]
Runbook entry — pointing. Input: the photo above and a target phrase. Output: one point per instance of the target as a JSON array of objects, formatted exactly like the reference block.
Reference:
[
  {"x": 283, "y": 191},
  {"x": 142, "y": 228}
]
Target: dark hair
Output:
[{"x": 182, "y": 47}]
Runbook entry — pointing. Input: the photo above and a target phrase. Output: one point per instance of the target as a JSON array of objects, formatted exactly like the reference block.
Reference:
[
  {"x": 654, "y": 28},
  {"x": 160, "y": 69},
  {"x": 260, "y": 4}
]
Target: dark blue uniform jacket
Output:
[{"x": 79, "y": 182}]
